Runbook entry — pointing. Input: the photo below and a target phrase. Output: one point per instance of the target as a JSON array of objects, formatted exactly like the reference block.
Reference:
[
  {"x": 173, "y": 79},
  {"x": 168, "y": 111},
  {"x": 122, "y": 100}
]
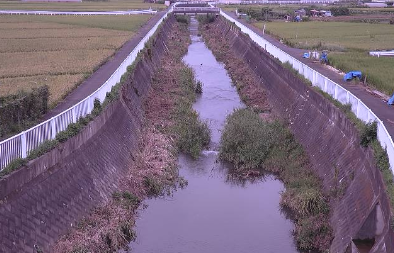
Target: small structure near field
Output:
[{"x": 320, "y": 13}]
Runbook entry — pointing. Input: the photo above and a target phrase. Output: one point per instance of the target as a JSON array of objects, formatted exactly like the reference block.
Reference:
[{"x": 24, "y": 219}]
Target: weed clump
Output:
[
  {"x": 193, "y": 134},
  {"x": 368, "y": 134},
  {"x": 205, "y": 19},
  {"x": 182, "y": 19},
  {"x": 153, "y": 187},
  {"x": 246, "y": 140},
  {"x": 251, "y": 143}
]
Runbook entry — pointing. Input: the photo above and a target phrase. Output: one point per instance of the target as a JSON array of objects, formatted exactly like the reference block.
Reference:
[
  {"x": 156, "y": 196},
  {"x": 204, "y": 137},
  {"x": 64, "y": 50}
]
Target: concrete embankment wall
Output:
[
  {"x": 362, "y": 209},
  {"x": 42, "y": 200}
]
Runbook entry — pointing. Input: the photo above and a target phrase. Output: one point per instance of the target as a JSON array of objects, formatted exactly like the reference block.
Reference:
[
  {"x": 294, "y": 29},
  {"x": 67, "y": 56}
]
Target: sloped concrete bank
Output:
[
  {"x": 360, "y": 214},
  {"x": 42, "y": 200}
]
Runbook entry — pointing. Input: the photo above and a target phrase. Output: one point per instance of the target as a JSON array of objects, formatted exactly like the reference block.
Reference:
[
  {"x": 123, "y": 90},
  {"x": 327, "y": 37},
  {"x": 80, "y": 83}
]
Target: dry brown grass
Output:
[{"x": 58, "y": 51}]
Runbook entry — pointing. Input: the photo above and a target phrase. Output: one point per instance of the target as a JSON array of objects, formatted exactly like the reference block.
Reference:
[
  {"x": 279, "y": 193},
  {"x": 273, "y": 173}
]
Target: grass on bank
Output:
[
  {"x": 58, "y": 51},
  {"x": 348, "y": 43},
  {"x": 251, "y": 143},
  {"x": 368, "y": 138}
]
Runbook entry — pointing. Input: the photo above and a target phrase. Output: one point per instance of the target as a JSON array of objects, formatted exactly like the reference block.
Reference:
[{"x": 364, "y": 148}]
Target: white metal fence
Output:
[
  {"x": 76, "y": 13},
  {"x": 19, "y": 146},
  {"x": 324, "y": 83}
]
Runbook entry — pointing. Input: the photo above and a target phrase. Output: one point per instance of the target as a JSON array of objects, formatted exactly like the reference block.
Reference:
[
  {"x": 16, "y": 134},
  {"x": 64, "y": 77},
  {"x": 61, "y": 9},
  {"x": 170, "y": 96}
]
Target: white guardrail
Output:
[
  {"x": 19, "y": 146},
  {"x": 324, "y": 83}
]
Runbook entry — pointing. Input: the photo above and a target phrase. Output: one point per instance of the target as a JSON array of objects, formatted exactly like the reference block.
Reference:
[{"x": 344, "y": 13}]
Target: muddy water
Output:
[{"x": 214, "y": 213}]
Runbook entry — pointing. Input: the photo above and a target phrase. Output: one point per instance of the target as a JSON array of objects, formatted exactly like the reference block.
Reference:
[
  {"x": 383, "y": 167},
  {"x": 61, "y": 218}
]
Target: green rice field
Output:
[{"x": 348, "y": 44}]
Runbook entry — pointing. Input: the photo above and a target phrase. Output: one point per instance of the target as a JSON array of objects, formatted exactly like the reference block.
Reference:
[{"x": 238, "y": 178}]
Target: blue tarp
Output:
[
  {"x": 323, "y": 57},
  {"x": 352, "y": 74},
  {"x": 391, "y": 100}
]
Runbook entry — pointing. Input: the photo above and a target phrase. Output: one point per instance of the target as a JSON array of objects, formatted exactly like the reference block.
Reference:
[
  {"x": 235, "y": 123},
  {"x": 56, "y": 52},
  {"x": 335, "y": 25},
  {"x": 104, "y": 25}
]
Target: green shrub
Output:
[
  {"x": 182, "y": 19},
  {"x": 126, "y": 229},
  {"x": 246, "y": 139},
  {"x": 308, "y": 229},
  {"x": 340, "y": 11},
  {"x": 368, "y": 133},
  {"x": 199, "y": 87},
  {"x": 205, "y": 19},
  {"x": 14, "y": 165},
  {"x": 127, "y": 199},
  {"x": 192, "y": 134},
  {"x": 188, "y": 83},
  {"x": 43, "y": 148},
  {"x": 20, "y": 111},
  {"x": 306, "y": 201},
  {"x": 97, "y": 108},
  {"x": 251, "y": 143},
  {"x": 154, "y": 187}
]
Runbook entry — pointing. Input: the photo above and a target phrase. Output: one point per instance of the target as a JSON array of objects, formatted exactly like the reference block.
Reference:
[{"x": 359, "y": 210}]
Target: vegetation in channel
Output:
[
  {"x": 254, "y": 140},
  {"x": 251, "y": 143},
  {"x": 192, "y": 134}
]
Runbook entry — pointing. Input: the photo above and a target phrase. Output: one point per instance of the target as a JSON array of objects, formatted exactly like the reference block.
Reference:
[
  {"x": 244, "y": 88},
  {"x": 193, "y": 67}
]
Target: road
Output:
[{"x": 104, "y": 72}]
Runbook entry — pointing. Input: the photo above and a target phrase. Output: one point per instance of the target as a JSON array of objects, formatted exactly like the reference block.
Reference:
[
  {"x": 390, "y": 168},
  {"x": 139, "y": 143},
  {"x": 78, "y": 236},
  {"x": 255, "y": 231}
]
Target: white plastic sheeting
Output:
[
  {"x": 20, "y": 145},
  {"x": 324, "y": 83}
]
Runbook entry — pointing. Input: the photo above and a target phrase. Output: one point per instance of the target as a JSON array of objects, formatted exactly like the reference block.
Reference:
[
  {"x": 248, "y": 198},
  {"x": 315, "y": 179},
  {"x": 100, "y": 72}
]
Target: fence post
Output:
[
  {"x": 347, "y": 97},
  {"x": 74, "y": 115},
  {"x": 23, "y": 145},
  {"x": 90, "y": 108},
  {"x": 313, "y": 77},
  {"x": 325, "y": 84},
  {"x": 336, "y": 92},
  {"x": 53, "y": 128}
]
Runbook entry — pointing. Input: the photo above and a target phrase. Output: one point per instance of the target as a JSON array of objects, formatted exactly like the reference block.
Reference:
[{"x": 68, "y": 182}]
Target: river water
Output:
[{"x": 215, "y": 213}]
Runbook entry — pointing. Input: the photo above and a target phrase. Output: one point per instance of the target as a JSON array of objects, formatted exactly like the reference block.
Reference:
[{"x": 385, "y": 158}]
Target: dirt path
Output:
[
  {"x": 377, "y": 104},
  {"x": 92, "y": 83}
]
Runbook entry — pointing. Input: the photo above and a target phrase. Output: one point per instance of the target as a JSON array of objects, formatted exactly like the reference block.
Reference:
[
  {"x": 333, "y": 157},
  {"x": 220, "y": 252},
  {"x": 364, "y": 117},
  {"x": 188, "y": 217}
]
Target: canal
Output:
[{"x": 216, "y": 212}]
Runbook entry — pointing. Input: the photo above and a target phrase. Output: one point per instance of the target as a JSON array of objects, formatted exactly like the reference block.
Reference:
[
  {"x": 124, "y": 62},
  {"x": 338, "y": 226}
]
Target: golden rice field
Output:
[{"x": 58, "y": 51}]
